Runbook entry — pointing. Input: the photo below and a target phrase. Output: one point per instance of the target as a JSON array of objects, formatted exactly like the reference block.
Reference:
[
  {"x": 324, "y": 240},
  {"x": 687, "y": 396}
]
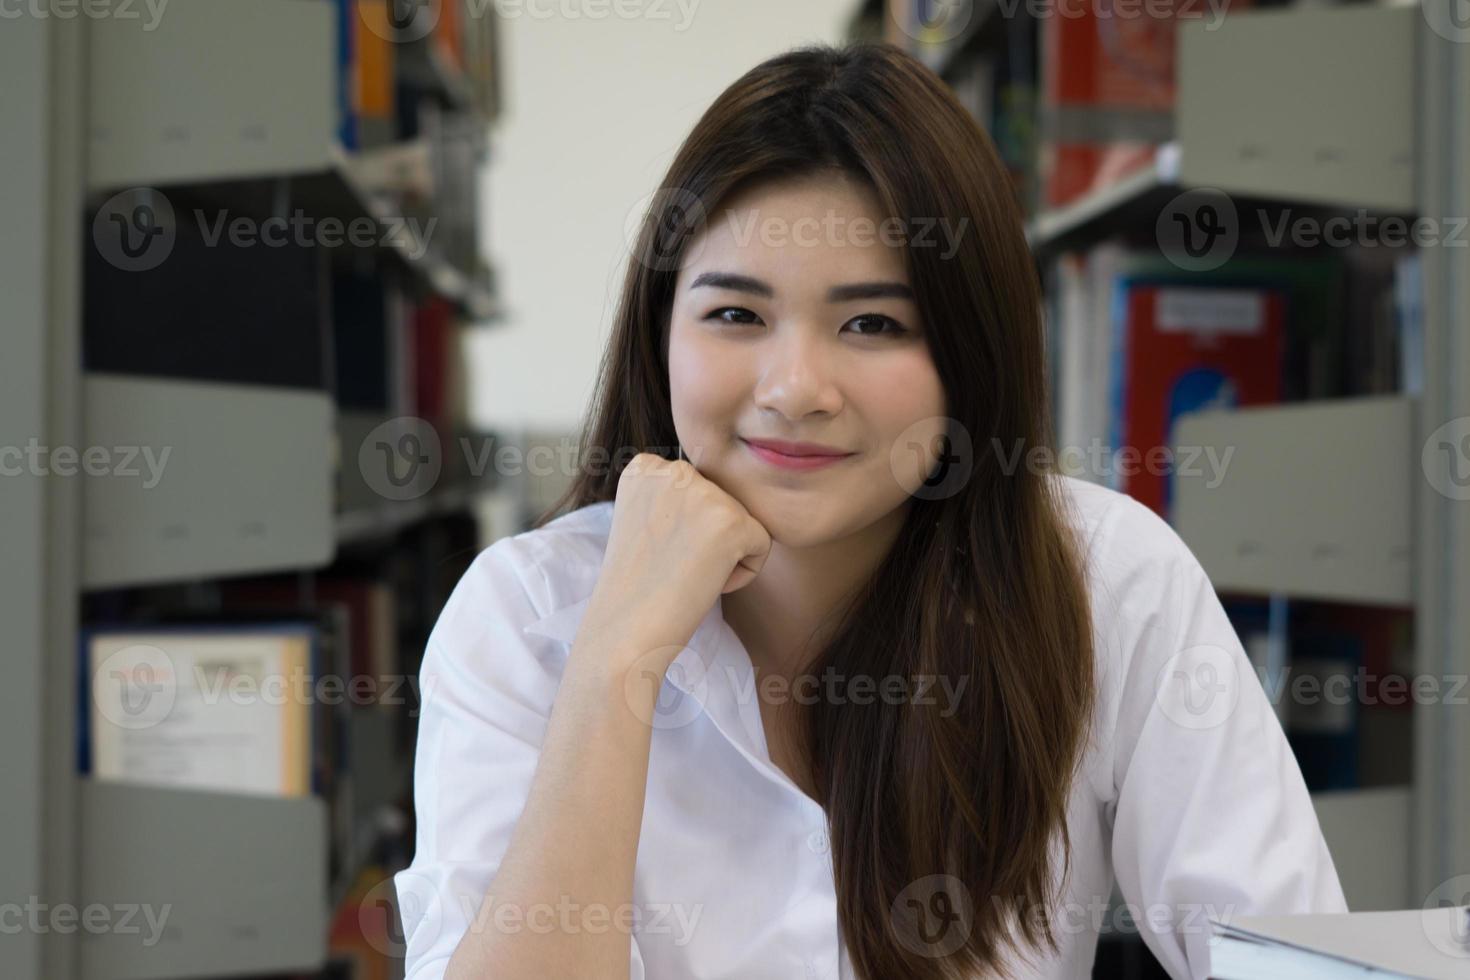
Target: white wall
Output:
[{"x": 594, "y": 111}]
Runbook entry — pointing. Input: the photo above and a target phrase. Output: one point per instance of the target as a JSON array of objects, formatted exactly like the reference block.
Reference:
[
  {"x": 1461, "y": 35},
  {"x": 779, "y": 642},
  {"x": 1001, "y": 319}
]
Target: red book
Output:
[
  {"x": 1107, "y": 91},
  {"x": 372, "y": 618},
  {"x": 434, "y": 333},
  {"x": 1183, "y": 349}
]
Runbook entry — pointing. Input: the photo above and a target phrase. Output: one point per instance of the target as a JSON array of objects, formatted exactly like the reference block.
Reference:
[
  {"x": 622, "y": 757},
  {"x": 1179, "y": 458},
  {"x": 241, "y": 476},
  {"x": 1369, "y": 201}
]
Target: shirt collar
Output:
[{"x": 714, "y": 676}]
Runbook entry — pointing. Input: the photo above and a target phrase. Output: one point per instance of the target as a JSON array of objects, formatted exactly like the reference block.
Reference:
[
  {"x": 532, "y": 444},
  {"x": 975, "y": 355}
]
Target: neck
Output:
[{"x": 789, "y": 611}]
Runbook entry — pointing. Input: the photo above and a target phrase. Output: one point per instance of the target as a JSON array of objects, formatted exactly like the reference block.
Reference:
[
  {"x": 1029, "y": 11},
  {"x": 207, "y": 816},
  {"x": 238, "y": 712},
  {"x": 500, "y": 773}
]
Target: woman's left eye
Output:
[
  {"x": 719, "y": 314},
  {"x": 881, "y": 321}
]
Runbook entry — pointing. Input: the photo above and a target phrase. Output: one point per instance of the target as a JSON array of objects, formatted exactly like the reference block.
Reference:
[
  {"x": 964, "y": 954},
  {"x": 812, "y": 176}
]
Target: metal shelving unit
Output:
[{"x": 69, "y": 131}]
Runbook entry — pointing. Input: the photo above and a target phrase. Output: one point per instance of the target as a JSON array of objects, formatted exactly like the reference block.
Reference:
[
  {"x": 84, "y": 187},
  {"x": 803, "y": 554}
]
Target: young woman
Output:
[{"x": 821, "y": 670}]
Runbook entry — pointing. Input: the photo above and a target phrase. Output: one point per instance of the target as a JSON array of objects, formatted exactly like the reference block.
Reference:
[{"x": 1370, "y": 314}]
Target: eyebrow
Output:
[{"x": 837, "y": 294}]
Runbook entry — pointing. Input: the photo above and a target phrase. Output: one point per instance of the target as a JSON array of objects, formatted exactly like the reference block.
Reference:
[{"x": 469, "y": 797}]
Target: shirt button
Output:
[{"x": 817, "y": 841}]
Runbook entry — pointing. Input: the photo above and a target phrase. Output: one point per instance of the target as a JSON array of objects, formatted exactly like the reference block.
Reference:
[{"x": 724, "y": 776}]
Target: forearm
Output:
[{"x": 567, "y": 876}]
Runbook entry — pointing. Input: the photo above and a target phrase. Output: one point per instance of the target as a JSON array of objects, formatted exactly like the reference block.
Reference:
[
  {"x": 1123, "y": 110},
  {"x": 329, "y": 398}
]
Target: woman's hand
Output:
[{"x": 678, "y": 542}]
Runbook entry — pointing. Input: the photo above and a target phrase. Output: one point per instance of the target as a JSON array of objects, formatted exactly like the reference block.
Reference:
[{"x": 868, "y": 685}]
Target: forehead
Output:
[{"x": 812, "y": 231}]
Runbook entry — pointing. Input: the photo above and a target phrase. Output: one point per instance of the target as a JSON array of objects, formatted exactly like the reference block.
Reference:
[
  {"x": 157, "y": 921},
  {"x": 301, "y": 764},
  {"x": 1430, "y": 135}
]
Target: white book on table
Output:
[{"x": 1415, "y": 944}]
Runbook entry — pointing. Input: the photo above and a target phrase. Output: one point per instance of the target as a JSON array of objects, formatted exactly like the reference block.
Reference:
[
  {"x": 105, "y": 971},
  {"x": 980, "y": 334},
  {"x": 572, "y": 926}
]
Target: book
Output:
[
  {"x": 1178, "y": 349},
  {"x": 1262, "y": 625},
  {"x": 371, "y": 350},
  {"x": 1323, "y": 728},
  {"x": 1107, "y": 93},
  {"x": 374, "y": 102},
  {"x": 1381, "y": 686},
  {"x": 234, "y": 300},
  {"x": 448, "y": 34},
  {"x": 1084, "y": 292},
  {"x": 371, "y": 635},
  {"x": 1412, "y": 944},
  {"x": 1409, "y": 314},
  {"x": 223, "y": 708},
  {"x": 346, "y": 78},
  {"x": 1015, "y": 109}
]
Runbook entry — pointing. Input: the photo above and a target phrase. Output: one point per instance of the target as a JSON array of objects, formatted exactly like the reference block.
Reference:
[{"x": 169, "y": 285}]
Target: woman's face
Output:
[{"x": 793, "y": 321}]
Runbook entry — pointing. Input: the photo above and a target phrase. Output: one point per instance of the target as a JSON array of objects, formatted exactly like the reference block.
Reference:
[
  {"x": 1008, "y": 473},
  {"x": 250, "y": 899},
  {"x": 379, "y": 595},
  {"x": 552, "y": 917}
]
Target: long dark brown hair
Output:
[{"x": 936, "y": 822}]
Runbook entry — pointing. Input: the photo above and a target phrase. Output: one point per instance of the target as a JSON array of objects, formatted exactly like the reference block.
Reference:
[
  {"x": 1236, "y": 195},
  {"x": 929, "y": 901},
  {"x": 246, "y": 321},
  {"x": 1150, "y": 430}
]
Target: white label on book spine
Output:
[{"x": 1237, "y": 311}]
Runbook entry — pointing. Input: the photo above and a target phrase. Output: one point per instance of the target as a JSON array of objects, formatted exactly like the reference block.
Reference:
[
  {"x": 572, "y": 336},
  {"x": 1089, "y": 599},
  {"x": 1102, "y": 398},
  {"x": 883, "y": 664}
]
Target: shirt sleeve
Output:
[
  {"x": 486, "y": 692},
  {"x": 1212, "y": 817}
]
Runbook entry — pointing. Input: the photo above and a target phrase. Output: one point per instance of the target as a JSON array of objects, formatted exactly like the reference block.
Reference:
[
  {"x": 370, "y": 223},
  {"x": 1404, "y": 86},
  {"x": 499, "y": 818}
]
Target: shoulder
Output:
[
  {"x": 1132, "y": 557},
  {"x": 556, "y": 564},
  {"x": 1114, "y": 525}
]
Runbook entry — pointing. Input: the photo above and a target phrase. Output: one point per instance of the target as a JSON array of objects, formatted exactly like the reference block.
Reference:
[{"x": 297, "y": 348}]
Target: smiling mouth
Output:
[{"x": 793, "y": 461}]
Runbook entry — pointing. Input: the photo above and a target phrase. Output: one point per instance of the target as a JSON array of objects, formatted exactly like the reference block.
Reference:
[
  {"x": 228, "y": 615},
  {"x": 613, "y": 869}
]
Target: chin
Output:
[{"x": 798, "y": 520}]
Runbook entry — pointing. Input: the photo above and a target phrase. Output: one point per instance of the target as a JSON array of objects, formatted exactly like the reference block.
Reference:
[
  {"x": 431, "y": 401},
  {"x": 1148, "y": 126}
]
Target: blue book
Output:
[
  {"x": 1325, "y": 714},
  {"x": 346, "y": 66}
]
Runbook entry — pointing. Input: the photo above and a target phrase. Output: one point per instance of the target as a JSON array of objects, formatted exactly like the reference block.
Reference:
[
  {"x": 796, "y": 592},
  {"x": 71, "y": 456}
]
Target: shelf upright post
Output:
[
  {"x": 1441, "y": 811},
  {"x": 43, "y": 64}
]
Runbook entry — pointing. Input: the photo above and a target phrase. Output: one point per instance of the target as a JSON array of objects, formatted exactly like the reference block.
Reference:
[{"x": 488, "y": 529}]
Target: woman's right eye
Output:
[{"x": 719, "y": 314}]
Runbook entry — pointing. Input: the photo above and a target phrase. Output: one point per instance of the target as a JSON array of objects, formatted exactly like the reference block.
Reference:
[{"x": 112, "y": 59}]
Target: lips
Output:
[
  {"x": 794, "y": 455},
  {"x": 797, "y": 449}
]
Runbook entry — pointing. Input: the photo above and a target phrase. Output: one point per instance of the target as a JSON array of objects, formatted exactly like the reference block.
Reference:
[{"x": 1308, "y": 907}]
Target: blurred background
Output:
[{"x": 303, "y": 301}]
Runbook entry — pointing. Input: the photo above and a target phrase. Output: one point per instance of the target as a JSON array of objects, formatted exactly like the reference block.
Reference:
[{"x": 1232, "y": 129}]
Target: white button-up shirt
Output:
[{"x": 1189, "y": 800}]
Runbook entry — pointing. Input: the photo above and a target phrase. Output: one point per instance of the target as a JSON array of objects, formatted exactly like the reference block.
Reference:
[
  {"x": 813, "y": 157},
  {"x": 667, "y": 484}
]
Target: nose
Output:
[{"x": 798, "y": 375}]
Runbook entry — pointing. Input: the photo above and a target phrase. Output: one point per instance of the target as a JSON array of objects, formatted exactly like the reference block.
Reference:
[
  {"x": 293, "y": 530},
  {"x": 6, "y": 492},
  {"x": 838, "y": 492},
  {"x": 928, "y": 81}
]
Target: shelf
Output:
[
  {"x": 242, "y": 124},
  {"x": 245, "y": 485},
  {"x": 1091, "y": 214},
  {"x": 1345, "y": 135},
  {"x": 367, "y": 524},
  {"x": 178, "y": 853},
  {"x": 341, "y": 191},
  {"x": 239, "y": 115},
  {"x": 1366, "y": 831},
  {"x": 1344, "y": 140},
  {"x": 1315, "y": 500}
]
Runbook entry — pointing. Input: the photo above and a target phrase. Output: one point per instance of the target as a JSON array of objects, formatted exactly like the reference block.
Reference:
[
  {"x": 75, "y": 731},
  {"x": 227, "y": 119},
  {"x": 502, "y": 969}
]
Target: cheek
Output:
[
  {"x": 902, "y": 391},
  {"x": 704, "y": 386},
  {"x": 904, "y": 405}
]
